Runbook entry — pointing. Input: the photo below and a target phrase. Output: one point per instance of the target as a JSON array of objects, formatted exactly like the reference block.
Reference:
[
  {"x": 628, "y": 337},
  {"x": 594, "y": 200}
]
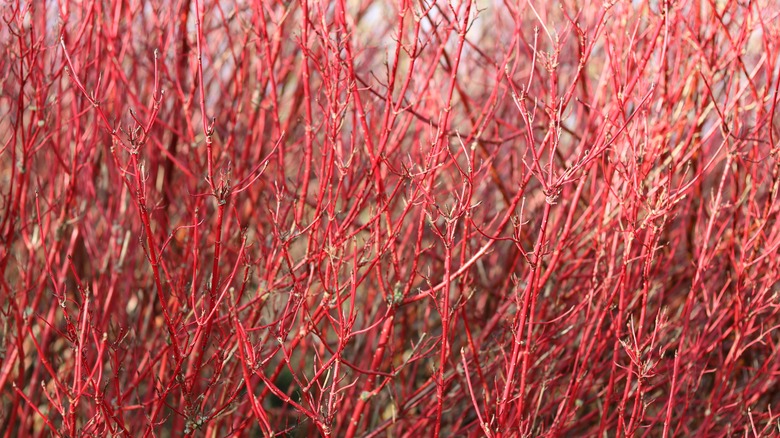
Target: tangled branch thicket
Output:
[{"x": 367, "y": 218}]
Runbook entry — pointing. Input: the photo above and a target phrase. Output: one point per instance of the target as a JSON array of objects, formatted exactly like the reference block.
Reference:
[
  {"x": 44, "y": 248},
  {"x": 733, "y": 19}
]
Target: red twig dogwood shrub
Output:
[{"x": 367, "y": 218}]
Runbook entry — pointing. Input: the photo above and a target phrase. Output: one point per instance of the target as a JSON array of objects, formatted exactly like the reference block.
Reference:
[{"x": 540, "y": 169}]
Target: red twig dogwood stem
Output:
[{"x": 363, "y": 219}]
